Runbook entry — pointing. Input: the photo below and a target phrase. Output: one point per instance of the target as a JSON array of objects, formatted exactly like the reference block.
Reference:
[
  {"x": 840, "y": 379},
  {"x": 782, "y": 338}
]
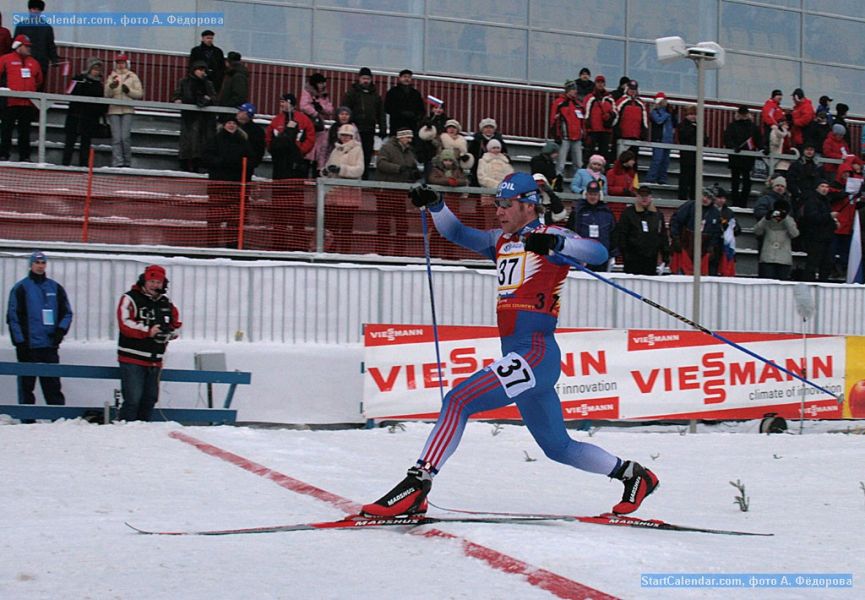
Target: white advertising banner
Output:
[{"x": 614, "y": 373}]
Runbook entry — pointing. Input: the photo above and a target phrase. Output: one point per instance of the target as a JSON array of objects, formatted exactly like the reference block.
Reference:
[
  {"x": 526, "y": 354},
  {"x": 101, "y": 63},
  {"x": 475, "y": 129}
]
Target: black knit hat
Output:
[{"x": 364, "y": 71}]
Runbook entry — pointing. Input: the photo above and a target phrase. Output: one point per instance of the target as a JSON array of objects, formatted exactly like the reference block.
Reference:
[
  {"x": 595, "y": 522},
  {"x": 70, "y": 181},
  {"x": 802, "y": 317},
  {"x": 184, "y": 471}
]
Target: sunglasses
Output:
[
  {"x": 503, "y": 202},
  {"x": 39, "y": 262}
]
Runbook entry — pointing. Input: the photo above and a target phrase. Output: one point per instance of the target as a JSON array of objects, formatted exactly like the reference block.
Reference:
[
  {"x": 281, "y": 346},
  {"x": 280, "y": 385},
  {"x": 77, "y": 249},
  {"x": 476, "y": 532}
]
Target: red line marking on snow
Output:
[
  {"x": 289, "y": 483},
  {"x": 559, "y": 586}
]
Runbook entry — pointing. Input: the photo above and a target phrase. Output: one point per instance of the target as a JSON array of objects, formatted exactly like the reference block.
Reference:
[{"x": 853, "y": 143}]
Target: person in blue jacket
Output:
[
  {"x": 593, "y": 219},
  {"x": 39, "y": 316}
]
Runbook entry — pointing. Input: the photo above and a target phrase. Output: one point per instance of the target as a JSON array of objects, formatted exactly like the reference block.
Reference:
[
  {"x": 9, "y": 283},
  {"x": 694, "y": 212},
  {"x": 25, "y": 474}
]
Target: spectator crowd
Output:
[{"x": 808, "y": 203}]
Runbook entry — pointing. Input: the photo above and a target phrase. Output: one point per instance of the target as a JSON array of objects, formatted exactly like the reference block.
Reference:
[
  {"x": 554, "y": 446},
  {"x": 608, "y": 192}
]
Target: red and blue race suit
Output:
[{"x": 529, "y": 290}]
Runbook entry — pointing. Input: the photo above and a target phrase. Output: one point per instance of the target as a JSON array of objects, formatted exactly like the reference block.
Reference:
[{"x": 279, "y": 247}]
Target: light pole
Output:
[{"x": 706, "y": 55}]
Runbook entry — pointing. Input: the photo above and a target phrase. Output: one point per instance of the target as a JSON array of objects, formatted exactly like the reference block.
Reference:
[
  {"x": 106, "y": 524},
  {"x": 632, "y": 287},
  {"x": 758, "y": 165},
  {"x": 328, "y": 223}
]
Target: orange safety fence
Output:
[{"x": 72, "y": 206}]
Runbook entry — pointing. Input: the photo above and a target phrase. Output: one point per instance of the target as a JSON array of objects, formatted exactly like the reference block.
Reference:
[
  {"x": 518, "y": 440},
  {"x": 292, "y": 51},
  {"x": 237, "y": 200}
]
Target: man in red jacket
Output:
[
  {"x": 600, "y": 112},
  {"x": 146, "y": 320},
  {"x": 566, "y": 123},
  {"x": 289, "y": 137},
  {"x": 23, "y": 74},
  {"x": 632, "y": 116},
  {"x": 803, "y": 115},
  {"x": 772, "y": 114}
]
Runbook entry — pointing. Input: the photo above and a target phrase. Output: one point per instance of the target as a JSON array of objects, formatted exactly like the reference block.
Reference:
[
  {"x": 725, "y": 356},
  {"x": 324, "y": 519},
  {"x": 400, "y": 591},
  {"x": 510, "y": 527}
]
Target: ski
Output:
[
  {"x": 356, "y": 522},
  {"x": 607, "y": 519}
]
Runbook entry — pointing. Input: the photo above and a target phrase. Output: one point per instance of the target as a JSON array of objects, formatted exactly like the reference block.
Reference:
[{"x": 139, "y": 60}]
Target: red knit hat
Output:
[{"x": 154, "y": 272}]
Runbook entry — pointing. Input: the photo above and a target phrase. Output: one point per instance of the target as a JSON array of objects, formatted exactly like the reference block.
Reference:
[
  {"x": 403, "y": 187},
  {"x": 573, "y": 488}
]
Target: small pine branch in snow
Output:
[
  {"x": 862, "y": 485},
  {"x": 396, "y": 427},
  {"x": 777, "y": 456},
  {"x": 742, "y": 499},
  {"x": 655, "y": 456},
  {"x": 592, "y": 431},
  {"x": 497, "y": 429},
  {"x": 683, "y": 430},
  {"x": 529, "y": 458}
]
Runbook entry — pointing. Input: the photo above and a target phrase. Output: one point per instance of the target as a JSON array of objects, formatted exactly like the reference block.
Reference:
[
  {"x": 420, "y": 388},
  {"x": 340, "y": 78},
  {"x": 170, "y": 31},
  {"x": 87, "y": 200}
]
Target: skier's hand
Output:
[
  {"x": 423, "y": 195},
  {"x": 544, "y": 243}
]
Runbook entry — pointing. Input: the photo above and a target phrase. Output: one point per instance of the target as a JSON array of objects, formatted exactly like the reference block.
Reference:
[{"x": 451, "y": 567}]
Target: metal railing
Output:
[{"x": 43, "y": 102}]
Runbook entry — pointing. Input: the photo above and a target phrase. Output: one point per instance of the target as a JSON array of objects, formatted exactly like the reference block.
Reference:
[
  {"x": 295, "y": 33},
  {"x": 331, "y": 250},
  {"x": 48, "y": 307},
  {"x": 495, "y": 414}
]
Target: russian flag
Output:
[
  {"x": 434, "y": 101},
  {"x": 855, "y": 270},
  {"x": 727, "y": 267}
]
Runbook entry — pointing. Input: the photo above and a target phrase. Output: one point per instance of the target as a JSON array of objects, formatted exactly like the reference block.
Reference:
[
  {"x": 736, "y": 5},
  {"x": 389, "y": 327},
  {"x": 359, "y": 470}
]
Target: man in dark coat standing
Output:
[
  {"x": 41, "y": 36},
  {"x": 641, "y": 235},
  {"x": 367, "y": 112},
  {"x": 212, "y": 56},
  {"x": 403, "y": 104},
  {"x": 235, "y": 85},
  {"x": 224, "y": 157},
  {"x": 82, "y": 118},
  {"x": 741, "y": 134},
  {"x": 196, "y": 128}
]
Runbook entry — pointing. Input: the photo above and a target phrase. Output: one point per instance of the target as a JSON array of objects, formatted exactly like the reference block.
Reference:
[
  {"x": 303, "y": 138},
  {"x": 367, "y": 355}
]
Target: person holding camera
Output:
[
  {"x": 778, "y": 229},
  {"x": 147, "y": 321}
]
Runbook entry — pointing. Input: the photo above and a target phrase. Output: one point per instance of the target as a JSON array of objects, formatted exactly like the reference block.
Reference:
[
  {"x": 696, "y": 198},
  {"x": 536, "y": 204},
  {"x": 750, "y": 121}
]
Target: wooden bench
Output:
[{"x": 224, "y": 415}]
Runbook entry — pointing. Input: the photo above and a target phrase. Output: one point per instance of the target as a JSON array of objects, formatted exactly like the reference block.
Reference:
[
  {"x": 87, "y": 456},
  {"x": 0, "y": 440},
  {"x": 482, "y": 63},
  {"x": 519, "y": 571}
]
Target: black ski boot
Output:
[{"x": 407, "y": 498}]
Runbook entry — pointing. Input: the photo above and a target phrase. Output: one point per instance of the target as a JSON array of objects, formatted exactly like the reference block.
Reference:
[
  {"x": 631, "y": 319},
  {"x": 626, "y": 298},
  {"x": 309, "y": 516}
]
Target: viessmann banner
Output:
[{"x": 625, "y": 373}]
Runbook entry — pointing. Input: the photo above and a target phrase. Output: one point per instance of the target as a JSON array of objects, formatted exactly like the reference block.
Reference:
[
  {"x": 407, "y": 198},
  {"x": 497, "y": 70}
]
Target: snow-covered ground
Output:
[{"x": 68, "y": 487}]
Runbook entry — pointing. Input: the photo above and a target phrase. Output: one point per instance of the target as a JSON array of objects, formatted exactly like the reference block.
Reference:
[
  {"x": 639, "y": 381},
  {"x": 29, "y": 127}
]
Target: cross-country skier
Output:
[{"x": 531, "y": 265}]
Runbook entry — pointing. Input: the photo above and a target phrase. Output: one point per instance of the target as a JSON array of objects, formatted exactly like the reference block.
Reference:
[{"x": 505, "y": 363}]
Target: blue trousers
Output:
[
  {"x": 660, "y": 164},
  {"x": 536, "y": 348},
  {"x": 140, "y": 388}
]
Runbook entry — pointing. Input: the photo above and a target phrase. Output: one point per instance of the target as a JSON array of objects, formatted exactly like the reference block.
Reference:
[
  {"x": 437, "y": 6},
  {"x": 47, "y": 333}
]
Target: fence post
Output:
[
  {"x": 242, "y": 215},
  {"x": 320, "y": 192},
  {"x": 43, "y": 127},
  {"x": 88, "y": 196}
]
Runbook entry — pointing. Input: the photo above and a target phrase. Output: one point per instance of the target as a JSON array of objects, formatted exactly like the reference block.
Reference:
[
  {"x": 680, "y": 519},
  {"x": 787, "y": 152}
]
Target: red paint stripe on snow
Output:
[
  {"x": 289, "y": 483},
  {"x": 559, "y": 586}
]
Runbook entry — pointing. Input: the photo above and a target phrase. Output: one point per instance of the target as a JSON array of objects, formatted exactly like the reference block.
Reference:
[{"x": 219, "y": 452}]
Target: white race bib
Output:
[
  {"x": 25, "y": 73},
  {"x": 514, "y": 373},
  {"x": 645, "y": 226},
  {"x": 511, "y": 271},
  {"x": 594, "y": 230}
]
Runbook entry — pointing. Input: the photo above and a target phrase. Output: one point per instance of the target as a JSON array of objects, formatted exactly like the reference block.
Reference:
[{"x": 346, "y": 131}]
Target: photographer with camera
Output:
[
  {"x": 777, "y": 229},
  {"x": 147, "y": 321}
]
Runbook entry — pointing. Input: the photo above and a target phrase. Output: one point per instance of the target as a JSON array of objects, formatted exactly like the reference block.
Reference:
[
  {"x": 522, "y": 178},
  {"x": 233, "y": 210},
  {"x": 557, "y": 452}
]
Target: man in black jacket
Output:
[
  {"x": 641, "y": 235},
  {"x": 41, "y": 35},
  {"x": 404, "y": 104},
  {"x": 817, "y": 228},
  {"x": 804, "y": 174},
  {"x": 147, "y": 321},
  {"x": 82, "y": 118},
  {"x": 741, "y": 134},
  {"x": 213, "y": 58},
  {"x": 224, "y": 157},
  {"x": 367, "y": 112}
]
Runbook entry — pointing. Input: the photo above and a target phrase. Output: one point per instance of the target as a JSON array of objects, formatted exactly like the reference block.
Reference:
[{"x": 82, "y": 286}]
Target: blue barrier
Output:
[{"x": 182, "y": 415}]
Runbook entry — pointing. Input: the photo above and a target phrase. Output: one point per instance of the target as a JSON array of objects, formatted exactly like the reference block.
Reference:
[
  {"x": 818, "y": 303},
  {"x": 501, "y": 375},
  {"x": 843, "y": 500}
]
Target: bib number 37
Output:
[{"x": 514, "y": 373}]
